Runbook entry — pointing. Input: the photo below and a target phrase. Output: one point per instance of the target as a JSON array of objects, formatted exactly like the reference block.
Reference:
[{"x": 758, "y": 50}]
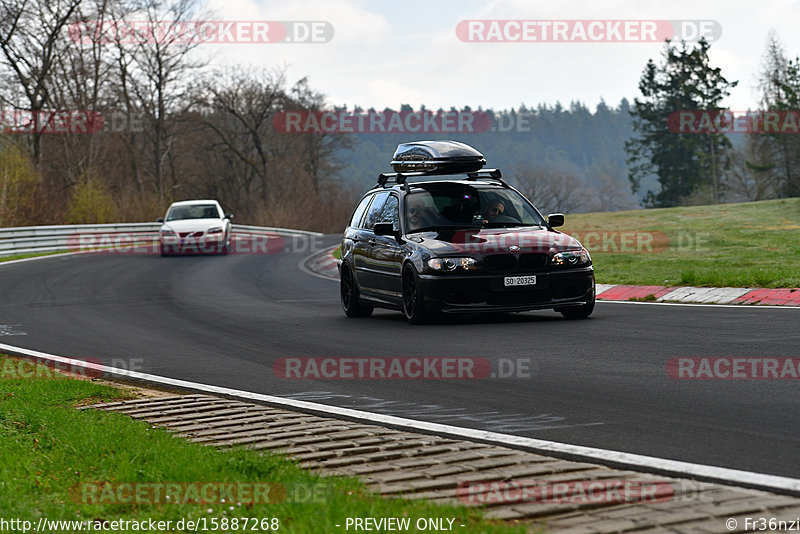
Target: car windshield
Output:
[
  {"x": 432, "y": 206},
  {"x": 198, "y": 211}
]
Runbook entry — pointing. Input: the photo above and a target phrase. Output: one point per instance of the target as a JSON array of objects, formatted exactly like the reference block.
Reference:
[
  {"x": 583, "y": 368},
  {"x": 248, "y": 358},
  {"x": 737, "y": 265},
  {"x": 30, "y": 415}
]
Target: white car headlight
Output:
[
  {"x": 215, "y": 230},
  {"x": 166, "y": 232}
]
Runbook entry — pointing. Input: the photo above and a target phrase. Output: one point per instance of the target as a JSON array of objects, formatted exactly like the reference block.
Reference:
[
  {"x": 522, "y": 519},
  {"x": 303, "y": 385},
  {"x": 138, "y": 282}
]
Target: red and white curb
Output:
[
  {"x": 323, "y": 264},
  {"x": 700, "y": 295}
]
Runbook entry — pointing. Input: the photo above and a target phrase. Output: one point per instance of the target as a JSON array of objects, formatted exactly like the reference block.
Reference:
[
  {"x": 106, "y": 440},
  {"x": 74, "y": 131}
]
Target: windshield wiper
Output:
[
  {"x": 440, "y": 227},
  {"x": 508, "y": 224}
]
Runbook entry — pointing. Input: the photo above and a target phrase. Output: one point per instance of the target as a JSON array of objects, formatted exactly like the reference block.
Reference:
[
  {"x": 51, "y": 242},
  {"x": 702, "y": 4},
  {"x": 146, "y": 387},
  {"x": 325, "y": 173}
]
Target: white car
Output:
[{"x": 195, "y": 226}]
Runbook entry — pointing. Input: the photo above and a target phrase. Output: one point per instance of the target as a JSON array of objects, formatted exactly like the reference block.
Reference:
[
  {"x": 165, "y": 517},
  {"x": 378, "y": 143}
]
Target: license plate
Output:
[{"x": 510, "y": 281}]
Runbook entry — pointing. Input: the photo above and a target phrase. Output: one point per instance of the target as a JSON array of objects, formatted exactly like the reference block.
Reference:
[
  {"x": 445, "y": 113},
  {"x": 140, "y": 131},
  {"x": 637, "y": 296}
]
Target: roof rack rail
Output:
[
  {"x": 492, "y": 174},
  {"x": 399, "y": 178},
  {"x": 387, "y": 179},
  {"x": 396, "y": 177}
]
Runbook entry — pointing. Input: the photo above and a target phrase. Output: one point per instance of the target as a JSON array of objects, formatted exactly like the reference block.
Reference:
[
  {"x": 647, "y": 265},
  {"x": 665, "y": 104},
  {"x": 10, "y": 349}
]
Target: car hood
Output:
[
  {"x": 495, "y": 241},
  {"x": 193, "y": 225}
]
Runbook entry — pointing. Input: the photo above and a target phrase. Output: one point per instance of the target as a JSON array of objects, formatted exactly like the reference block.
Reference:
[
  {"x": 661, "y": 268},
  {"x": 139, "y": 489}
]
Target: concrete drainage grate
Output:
[{"x": 398, "y": 463}]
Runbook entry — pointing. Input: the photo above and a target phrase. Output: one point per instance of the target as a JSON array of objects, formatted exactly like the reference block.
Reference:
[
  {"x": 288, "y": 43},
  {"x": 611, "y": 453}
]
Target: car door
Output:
[
  {"x": 363, "y": 240},
  {"x": 387, "y": 252},
  {"x": 351, "y": 249}
]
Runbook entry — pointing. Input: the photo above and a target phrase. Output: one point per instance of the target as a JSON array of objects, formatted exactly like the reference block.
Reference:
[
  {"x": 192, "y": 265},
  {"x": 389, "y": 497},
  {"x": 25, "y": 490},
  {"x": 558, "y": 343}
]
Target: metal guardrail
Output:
[{"x": 54, "y": 238}]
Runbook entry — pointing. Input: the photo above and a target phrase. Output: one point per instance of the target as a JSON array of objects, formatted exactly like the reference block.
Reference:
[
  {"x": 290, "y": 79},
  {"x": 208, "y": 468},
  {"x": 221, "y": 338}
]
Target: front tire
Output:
[
  {"x": 350, "y": 296},
  {"x": 413, "y": 298},
  {"x": 225, "y": 248},
  {"x": 579, "y": 312}
]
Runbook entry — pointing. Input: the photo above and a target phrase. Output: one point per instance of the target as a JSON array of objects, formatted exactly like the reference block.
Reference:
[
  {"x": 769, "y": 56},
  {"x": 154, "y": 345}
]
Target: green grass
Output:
[
  {"x": 337, "y": 253},
  {"x": 34, "y": 255},
  {"x": 755, "y": 244},
  {"x": 50, "y": 449}
]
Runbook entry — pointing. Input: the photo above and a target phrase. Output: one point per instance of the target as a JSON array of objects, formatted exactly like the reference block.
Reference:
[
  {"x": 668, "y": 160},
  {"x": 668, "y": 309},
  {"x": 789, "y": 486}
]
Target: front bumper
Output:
[
  {"x": 486, "y": 292},
  {"x": 193, "y": 245}
]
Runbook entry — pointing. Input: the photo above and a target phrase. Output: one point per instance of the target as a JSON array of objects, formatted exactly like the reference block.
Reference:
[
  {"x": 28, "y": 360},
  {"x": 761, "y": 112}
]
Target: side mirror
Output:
[
  {"x": 160, "y": 219},
  {"x": 229, "y": 215},
  {"x": 555, "y": 219},
  {"x": 383, "y": 228}
]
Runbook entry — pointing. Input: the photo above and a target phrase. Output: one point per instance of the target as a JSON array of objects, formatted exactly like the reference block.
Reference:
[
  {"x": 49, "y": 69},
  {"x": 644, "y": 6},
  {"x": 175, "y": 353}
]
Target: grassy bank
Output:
[
  {"x": 24, "y": 256},
  {"x": 51, "y": 454},
  {"x": 756, "y": 244}
]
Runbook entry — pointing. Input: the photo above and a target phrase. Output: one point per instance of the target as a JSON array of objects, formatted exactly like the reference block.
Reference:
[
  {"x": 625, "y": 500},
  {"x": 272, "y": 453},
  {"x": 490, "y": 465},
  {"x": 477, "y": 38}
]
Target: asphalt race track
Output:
[{"x": 602, "y": 382}]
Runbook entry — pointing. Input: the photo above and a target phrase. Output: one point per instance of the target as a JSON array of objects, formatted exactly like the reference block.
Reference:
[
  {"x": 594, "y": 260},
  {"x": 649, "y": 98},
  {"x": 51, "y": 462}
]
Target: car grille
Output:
[
  {"x": 509, "y": 263},
  {"x": 500, "y": 263},
  {"x": 193, "y": 234},
  {"x": 532, "y": 261}
]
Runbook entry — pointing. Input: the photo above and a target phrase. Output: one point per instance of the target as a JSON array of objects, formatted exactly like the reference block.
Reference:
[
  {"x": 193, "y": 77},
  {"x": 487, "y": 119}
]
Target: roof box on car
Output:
[{"x": 442, "y": 157}]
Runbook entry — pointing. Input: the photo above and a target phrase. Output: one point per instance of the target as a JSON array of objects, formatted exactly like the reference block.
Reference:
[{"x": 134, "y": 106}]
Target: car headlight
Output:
[
  {"x": 215, "y": 230},
  {"x": 166, "y": 232},
  {"x": 451, "y": 264},
  {"x": 571, "y": 258}
]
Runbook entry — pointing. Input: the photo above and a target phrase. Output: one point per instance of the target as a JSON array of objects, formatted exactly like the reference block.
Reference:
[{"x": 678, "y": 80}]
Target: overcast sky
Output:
[{"x": 387, "y": 53}]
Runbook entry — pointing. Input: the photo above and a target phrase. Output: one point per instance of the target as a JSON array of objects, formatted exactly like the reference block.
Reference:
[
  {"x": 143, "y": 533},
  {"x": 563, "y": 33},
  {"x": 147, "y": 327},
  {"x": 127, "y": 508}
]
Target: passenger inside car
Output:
[{"x": 421, "y": 212}]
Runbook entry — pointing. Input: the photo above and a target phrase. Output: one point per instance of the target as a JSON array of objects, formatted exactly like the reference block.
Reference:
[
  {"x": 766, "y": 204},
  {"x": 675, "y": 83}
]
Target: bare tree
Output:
[
  {"x": 241, "y": 105},
  {"x": 611, "y": 192},
  {"x": 318, "y": 149},
  {"x": 552, "y": 189},
  {"x": 83, "y": 76},
  {"x": 266, "y": 170},
  {"x": 155, "y": 79},
  {"x": 779, "y": 84},
  {"x": 748, "y": 179},
  {"x": 29, "y": 38}
]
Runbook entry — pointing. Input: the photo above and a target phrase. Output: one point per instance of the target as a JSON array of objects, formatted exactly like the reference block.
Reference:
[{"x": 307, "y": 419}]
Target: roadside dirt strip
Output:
[{"x": 548, "y": 493}]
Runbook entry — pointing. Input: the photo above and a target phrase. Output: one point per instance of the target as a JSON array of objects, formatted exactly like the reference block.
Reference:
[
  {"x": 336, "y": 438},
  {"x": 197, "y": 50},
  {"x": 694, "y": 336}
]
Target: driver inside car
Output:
[{"x": 493, "y": 210}]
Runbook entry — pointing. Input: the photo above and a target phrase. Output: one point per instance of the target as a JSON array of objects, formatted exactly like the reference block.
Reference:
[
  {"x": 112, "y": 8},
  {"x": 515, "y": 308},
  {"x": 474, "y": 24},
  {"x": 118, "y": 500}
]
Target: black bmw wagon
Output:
[{"x": 442, "y": 235}]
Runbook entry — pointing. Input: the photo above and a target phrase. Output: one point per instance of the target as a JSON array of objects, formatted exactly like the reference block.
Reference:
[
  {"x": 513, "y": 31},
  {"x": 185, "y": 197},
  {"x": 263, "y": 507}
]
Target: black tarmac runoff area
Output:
[{"x": 236, "y": 320}]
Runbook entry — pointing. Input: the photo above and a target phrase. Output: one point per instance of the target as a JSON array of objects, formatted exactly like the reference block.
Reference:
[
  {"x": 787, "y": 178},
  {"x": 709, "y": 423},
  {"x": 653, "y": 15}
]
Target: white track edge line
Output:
[{"x": 675, "y": 467}]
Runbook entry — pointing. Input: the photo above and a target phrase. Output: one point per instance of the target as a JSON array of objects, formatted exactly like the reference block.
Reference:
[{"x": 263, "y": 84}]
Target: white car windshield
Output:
[{"x": 199, "y": 211}]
